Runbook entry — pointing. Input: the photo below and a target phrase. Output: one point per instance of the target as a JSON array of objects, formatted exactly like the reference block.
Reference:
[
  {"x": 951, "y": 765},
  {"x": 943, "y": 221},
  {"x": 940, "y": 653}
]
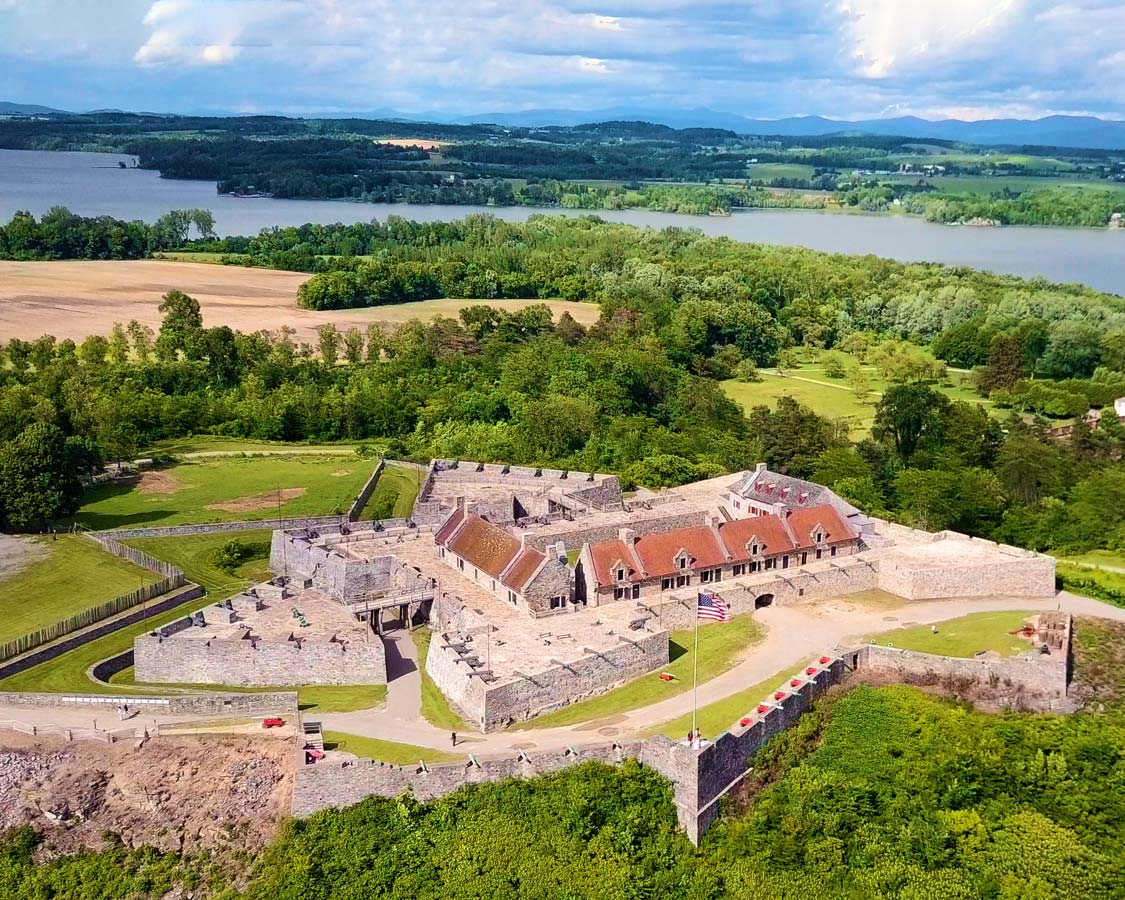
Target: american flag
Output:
[{"x": 712, "y": 608}]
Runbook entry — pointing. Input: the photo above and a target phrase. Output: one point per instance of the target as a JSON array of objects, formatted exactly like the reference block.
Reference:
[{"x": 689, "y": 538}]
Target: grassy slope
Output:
[
  {"x": 194, "y": 555},
  {"x": 215, "y": 443},
  {"x": 75, "y": 575},
  {"x": 385, "y": 751},
  {"x": 394, "y": 494},
  {"x": 962, "y": 637},
  {"x": 330, "y": 486},
  {"x": 715, "y": 718},
  {"x": 435, "y": 708},
  {"x": 720, "y": 647}
]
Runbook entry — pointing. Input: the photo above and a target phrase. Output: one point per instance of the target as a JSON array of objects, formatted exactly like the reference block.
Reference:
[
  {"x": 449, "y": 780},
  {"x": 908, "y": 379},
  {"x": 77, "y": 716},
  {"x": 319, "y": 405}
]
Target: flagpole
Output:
[{"x": 695, "y": 675}]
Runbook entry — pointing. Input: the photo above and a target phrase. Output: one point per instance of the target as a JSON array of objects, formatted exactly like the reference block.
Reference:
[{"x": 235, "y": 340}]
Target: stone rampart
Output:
[
  {"x": 334, "y": 783},
  {"x": 203, "y": 703},
  {"x": 1035, "y": 682},
  {"x": 257, "y": 663},
  {"x": 365, "y": 492},
  {"x": 222, "y": 527},
  {"x": 515, "y": 699}
]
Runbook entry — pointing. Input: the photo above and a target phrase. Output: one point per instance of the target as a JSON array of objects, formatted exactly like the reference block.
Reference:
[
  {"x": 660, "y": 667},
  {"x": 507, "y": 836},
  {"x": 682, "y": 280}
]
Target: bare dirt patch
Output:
[
  {"x": 181, "y": 794},
  {"x": 420, "y": 143},
  {"x": 258, "y": 501},
  {"x": 76, "y": 298},
  {"x": 158, "y": 483},
  {"x": 18, "y": 553}
]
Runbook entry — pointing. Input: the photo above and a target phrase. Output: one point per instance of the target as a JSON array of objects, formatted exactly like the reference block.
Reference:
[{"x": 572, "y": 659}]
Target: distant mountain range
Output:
[{"x": 1050, "y": 131}]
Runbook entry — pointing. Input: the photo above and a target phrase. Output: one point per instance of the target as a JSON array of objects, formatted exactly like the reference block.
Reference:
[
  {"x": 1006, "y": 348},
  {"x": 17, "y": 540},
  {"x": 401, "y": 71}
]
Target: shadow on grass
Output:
[{"x": 105, "y": 522}]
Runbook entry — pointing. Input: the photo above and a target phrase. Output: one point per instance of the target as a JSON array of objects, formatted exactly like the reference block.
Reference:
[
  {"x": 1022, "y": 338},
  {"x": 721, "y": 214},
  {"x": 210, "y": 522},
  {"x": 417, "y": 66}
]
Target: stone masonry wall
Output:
[
  {"x": 204, "y": 703},
  {"x": 1031, "y": 681},
  {"x": 593, "y": 534},
  {"x": 490, "y": 706},
  {"x": 257, "y": 663}
]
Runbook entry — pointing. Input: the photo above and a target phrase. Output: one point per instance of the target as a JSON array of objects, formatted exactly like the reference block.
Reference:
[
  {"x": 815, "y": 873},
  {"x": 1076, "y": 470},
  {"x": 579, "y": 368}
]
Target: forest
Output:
[
  {"x": 638, "y": 393},
  {"x": 877, "y": 793},
  {"x": 608, "y": 165}
]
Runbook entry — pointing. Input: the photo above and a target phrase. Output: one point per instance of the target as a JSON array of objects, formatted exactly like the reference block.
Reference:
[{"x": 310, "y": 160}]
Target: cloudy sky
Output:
[{"x": 768, "y": 58}]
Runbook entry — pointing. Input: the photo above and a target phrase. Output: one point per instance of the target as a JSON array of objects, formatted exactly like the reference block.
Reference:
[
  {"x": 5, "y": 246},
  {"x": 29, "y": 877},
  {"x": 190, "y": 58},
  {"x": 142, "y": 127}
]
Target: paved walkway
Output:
[{"x": 795, "y": 634}]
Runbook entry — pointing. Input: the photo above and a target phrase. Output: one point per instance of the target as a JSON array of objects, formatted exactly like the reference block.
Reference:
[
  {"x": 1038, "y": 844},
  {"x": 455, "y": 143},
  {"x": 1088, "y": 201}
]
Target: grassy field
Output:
[
  {"x": 215, "y": 443},
  {"x": 721, "y": 646},
  {"x": 1112, "y": 560},
  {"x": 74, "y": 574},
  {"x": 832, "y": 397},
  {"x": 385, "y": 751},
  {"x": 767, "y": 172},
  {"x": 394, "y": 494},
  {"x": 991, "y": 184},
  {"x": 435, "y": 708},
  {"x": 963, "y": 637},
  {"x": 195, "y": 555},
  {"x": 229, "y": 489},
  {"x": 715, "y": 718}
]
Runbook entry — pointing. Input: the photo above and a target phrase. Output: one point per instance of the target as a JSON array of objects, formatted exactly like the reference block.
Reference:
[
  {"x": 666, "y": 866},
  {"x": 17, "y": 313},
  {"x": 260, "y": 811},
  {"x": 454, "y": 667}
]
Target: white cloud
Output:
[{"x": 842, "y": 58}]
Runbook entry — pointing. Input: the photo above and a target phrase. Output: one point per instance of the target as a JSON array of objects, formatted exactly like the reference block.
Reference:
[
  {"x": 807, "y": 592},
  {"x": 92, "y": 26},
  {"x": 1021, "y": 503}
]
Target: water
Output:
[{"x": 93, "y": 184}]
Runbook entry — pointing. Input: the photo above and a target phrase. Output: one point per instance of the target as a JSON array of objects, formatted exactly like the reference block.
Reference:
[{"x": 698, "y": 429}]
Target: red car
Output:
[{"x": 273, "y": 722}]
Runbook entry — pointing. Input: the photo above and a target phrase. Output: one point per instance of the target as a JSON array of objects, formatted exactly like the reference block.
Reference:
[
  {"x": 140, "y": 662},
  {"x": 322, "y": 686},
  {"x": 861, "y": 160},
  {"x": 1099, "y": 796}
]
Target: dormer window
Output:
[
  {"x": 683, "y": 560},
  {"x": 818, "y": 536},
  {"x": 620, "y": 574}
]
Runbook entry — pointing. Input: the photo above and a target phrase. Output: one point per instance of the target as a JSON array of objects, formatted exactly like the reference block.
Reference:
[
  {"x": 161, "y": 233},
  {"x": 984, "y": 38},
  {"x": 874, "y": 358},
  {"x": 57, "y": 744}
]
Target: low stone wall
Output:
[
  {"x": 843, "y": 575},
  {"x": 257, "y": 663},
  {"x": 202, "y": 703},
  {"x": 1030, "y": 682},
  {"x": 222, "y": 527},
  {"x": 338, "y": 784},
  {"x": 658, "y": 523},
  {"x": 492, "y": 706},
  {"x": 356, "y": 509}
]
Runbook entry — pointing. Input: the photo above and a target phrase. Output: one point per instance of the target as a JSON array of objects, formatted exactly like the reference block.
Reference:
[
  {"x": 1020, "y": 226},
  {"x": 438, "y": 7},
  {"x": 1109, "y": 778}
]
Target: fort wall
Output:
[
  {"x": 462, "y": 677},
  {"x": 257, "y": 663}
]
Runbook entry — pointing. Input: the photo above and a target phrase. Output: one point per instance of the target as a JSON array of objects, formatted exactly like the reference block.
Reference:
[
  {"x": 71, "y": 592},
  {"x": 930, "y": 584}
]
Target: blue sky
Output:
[{"x": 840, "y": 58}]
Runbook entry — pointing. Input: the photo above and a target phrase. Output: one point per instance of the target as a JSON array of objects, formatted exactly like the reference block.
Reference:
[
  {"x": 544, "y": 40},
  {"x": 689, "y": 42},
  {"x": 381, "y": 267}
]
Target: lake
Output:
[{"x": 94, "y": 184}]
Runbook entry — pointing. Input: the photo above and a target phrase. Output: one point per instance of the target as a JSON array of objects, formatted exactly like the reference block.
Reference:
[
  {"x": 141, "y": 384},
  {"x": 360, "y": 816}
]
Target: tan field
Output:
[
  {"x": 420, "y": 143},
  {"x": 74, "y": 299}
]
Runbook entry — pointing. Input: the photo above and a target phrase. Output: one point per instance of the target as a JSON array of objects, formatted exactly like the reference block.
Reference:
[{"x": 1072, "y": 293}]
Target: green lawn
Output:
[
  {"x": 186, "y": 491},
  {"x": 715, "y": 718},
  {"x": 1111, "y": 560},
  {"x": 195, "y": 555},
  {"x": 832, "y": 397},
  {"x": 766, "y": 172},
  {"x": 75, "y": 574},
  {"x": 964, "y": 637},
  {"x": 385, "y": 751},
  {"x": 435, "y": 708},
  {"x": 394, "y": 494},
  {"x": 721, "y": 645},
  {"x": 214, "y": 443}
]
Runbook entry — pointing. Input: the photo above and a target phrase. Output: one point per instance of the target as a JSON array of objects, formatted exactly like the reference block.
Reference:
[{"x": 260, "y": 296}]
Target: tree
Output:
[
  {"x": 928, "y": 497},
  {"x": 859, "y": 383},
  {"x": 141, "y": 336},
  {"x": 93, "y": 349},
  {"x": 329, "y": 343},
  {"x": 666, "y": 470},
  {"x": 181, "y": 327},
  {"x": 906, "y": 415},
  {"x": 792, "y": 436},
  {"x": 118, "y": 345},
  {"x": 353, "y": 346},
  {"x": 1072, "y": 351},
  {"x": 1028, "y": 468},
  {"x": 37, "y": 478},
  {"x": 1005, "y": 364}
]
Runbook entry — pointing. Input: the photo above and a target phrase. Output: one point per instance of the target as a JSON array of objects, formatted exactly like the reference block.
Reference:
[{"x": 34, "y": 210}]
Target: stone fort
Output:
[{"x": 544, "y": 587}]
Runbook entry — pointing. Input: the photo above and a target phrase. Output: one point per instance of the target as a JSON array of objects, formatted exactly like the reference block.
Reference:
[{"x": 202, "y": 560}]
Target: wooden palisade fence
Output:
[{"x": 171, "y": 578}]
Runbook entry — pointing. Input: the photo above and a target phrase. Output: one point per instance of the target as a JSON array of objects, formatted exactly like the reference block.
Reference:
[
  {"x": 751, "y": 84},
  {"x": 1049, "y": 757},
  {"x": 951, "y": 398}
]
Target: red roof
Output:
[
  {"x": 450, "y": 526},
  {"x": 488, "y": 547},
  {"x": 605, "y": 555},
  {"x": 657, "y": 552},
  {"x": 768, "y": 530},
  {"x": 526, "y": 565},
  {"x": 803, "y": 522}
]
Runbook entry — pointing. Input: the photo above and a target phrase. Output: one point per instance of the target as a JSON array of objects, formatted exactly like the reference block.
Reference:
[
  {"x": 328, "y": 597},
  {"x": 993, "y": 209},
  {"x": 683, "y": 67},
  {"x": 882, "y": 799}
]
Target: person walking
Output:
[{"x": 453, "y": 738}]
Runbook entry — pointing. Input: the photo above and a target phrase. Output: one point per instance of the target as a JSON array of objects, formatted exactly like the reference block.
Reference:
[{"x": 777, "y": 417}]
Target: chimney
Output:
[
  {"x": 559, "y": 552},
  {"x": 626, "y": 536},
  {"x": 459, "y": 503},
  {"x": 760, "y": 467},
  {"x": 525, "y": 537}
]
